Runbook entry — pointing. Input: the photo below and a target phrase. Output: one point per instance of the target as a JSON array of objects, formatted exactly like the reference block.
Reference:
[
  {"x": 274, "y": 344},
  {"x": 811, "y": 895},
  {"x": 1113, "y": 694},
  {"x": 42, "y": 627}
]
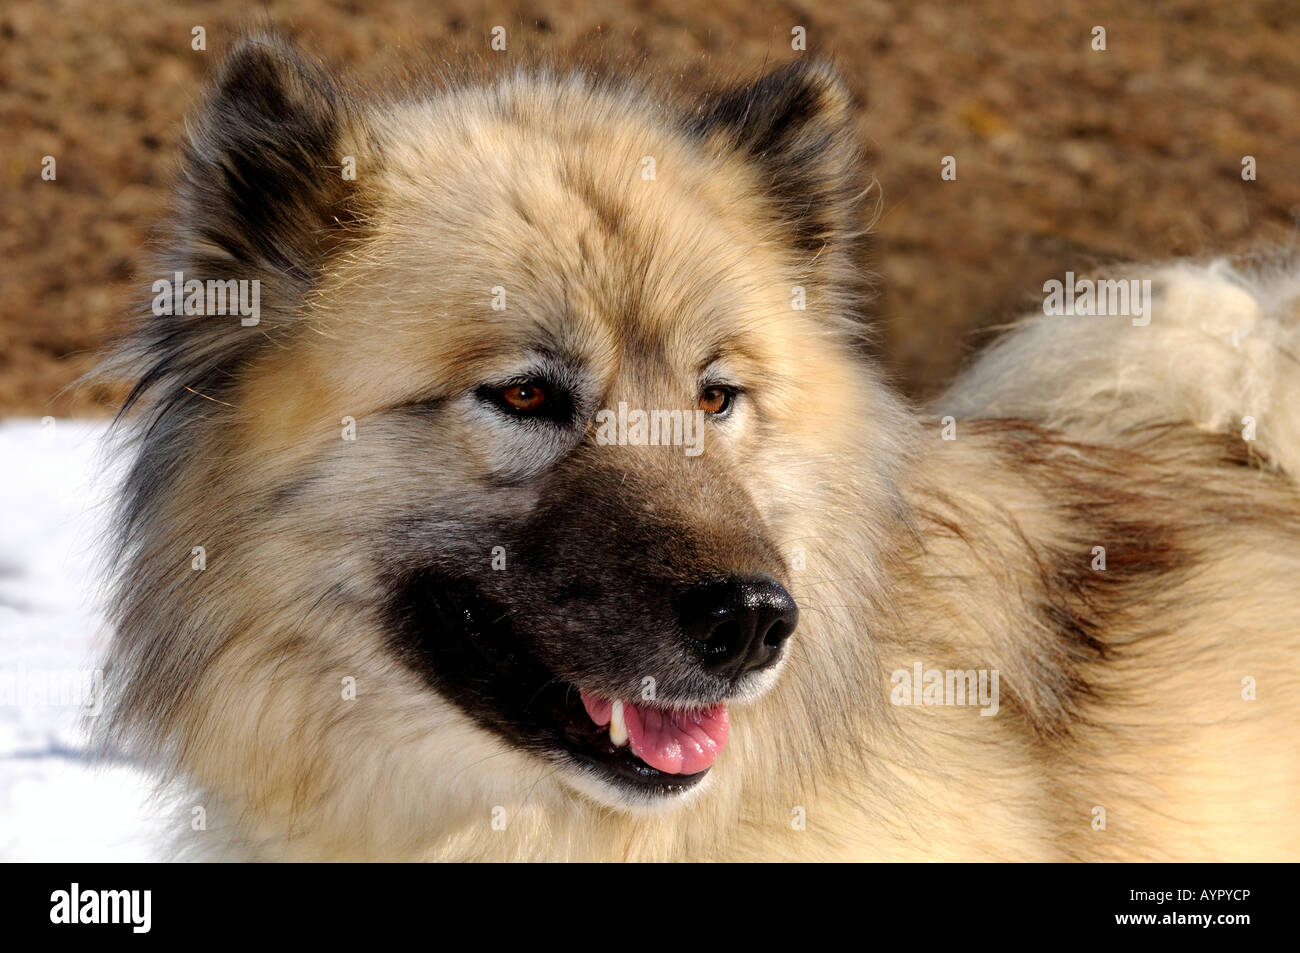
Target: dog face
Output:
[{"x": 523, "y": 436}]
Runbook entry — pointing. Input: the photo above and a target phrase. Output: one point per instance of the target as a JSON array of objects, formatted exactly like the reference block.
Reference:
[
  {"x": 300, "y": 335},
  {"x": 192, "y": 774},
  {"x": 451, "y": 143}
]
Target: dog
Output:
[{"x": 540, "y": 500}]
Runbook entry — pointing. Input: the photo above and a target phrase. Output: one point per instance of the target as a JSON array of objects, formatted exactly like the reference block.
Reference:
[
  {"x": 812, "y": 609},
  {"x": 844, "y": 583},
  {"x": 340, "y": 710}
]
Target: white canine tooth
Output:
[{"x": 617, "y": 726}]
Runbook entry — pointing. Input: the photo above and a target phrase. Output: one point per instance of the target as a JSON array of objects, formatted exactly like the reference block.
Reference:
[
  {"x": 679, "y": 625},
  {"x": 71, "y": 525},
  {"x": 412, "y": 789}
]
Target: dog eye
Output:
[
  {"x": 527, "y": 398},
  {"x": 716, "y": 400}
]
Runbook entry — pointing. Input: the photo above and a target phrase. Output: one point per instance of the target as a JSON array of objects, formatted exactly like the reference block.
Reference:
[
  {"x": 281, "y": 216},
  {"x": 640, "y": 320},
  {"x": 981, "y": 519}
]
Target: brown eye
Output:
[
  {"x": 525, "y": 398},
  {"x": 530, "y": 400},
  {"x": 715, "y": 400}
]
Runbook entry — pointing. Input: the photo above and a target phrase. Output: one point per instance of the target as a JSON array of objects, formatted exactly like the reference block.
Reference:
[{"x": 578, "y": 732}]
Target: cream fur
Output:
[{"x": 1121, "y": 689}]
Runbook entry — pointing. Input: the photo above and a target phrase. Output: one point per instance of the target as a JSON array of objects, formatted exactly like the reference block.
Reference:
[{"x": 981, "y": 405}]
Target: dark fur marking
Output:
[
  {"x": 1079, "y": 607},
  {"x": 609, "y": 214},
  {"x": 795, "y": 125}
]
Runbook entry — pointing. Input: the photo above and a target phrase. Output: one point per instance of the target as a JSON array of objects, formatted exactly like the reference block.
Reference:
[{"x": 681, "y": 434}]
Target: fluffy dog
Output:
[{"x": 537, "y": 501}]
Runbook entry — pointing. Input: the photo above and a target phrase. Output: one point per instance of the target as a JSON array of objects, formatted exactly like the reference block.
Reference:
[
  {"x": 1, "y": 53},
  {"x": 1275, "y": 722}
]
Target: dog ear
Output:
[
  {"x": 261, "y": 199},
  {"x": 262, "y": 185},
  {"x": 796, "y": 125}
]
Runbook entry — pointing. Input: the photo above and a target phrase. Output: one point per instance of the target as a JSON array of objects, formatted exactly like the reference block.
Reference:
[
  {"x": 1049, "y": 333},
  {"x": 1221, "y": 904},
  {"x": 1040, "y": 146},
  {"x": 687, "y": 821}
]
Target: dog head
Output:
[{"x": 521, "y": 444}]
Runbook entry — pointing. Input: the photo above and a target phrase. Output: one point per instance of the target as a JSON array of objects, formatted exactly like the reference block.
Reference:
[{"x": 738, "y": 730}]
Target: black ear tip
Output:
[
  {"x": 802, "y": 95},
  {"x": 266, "y": 75},
  {"x": 266, "y": 53},
  {"x": 269, "y": 55},
  {"x": 796, "y": 123},
  {"x": 817, "y": 84}
]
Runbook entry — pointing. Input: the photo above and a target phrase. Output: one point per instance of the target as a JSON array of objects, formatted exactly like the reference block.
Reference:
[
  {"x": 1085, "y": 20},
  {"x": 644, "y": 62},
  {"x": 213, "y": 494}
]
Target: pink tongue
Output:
[{"x": 674, "y": 742}]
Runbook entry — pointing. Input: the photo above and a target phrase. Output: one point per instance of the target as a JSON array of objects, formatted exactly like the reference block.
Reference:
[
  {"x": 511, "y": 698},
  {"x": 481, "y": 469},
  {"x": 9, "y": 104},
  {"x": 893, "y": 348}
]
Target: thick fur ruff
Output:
[{"x": 1148, "y": 703}]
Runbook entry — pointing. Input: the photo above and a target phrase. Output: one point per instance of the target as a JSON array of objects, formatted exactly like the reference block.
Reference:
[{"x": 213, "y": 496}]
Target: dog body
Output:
[{"x": 383, "y": 574}]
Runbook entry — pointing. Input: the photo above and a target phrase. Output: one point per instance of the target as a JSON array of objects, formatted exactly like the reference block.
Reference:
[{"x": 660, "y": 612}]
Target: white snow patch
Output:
[{"x": 56, "y": 804}]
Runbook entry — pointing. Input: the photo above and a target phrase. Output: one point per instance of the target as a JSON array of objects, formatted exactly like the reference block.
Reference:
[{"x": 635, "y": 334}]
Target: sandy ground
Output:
[{"x": 1066, "y": 156}]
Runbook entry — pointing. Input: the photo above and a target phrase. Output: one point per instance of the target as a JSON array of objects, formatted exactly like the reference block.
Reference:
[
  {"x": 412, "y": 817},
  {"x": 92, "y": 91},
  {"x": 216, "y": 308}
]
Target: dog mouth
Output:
[
  {"x": 682, "y": 742},
  {"x": 645, "y": 748},
  {"x": 466, "y": 649}
]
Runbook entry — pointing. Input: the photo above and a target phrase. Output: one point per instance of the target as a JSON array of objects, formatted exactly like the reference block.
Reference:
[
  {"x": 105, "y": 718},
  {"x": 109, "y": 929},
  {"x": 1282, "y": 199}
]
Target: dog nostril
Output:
[
  {"x": 738, "y": 625},
  {"x": 725, "y": 634},
  {"x": 778, "y": 633}
]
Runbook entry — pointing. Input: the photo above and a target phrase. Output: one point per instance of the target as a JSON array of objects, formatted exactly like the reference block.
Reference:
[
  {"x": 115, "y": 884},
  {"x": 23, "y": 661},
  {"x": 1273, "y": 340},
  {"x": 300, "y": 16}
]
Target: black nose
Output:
[{"x": 738, "y": 625}]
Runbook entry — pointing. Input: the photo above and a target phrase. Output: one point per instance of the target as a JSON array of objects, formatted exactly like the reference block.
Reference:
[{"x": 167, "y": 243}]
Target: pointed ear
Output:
[
  {"x": 262, "y": 199},
  {"x": 262, "y": 187},
  {"x": 796, "y": 125}
]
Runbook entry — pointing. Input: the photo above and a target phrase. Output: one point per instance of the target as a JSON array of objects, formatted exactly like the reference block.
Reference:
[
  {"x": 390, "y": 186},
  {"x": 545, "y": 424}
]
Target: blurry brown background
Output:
[{"x": 1065, "y": 157}]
